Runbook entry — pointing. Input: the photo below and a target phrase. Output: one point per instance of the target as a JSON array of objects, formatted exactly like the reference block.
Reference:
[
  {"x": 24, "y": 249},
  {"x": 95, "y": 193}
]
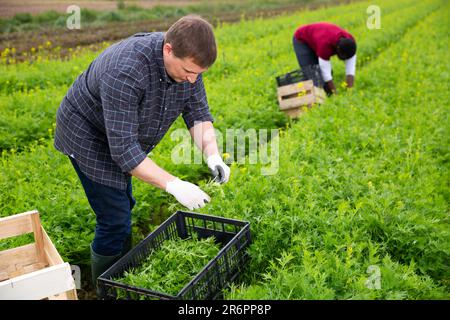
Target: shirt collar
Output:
[{"x": 160, "y": 61}]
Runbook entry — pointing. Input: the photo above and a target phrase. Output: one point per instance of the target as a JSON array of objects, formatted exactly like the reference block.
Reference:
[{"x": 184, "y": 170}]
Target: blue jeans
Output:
[{"x": 112, "y": 208}]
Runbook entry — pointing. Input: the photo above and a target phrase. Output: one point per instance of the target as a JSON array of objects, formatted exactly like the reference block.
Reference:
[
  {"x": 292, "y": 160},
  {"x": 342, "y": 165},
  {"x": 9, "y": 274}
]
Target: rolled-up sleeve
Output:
[
  {"x": 120, "y": 95},
  {"x": 196, "y": 109}
]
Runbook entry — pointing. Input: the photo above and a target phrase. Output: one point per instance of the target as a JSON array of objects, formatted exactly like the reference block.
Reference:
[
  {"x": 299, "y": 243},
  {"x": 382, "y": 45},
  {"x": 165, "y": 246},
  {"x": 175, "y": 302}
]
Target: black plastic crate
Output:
[
  {"x": 233, "y": 236},
  {"x": 290, "y": 78},
  {"x": 310, "y": 72}
]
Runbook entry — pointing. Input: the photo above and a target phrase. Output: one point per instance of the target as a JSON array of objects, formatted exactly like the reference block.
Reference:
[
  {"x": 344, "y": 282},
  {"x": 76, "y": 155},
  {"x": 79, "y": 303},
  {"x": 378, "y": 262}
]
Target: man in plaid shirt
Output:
[{"x": 119, "y": 109}]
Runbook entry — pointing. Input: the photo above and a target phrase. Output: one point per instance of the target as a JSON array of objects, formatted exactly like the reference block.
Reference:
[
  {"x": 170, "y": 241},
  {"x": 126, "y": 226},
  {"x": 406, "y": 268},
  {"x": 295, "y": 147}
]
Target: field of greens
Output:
[{"x": 359, "y": 206}]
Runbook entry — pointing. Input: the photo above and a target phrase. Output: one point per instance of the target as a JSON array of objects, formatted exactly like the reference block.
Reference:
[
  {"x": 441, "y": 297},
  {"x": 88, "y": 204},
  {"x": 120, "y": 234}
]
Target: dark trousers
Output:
[
  {"x": 306, "y": 57},
  {"x": 112, "y": 208}
]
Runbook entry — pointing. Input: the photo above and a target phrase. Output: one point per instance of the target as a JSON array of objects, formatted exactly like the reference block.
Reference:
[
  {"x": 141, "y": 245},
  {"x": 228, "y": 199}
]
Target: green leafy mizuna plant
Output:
[{"x": 168, "y": 269}]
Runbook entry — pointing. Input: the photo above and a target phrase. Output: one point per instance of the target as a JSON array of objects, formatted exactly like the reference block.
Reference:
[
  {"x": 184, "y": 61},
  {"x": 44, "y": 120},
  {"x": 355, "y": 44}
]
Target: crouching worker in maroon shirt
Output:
[{"x": 315, "y": 44}]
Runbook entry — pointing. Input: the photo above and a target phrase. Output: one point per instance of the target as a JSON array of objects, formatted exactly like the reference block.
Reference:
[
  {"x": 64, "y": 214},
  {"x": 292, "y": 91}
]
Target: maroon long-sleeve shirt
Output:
[{"x": 322, "y": 37}]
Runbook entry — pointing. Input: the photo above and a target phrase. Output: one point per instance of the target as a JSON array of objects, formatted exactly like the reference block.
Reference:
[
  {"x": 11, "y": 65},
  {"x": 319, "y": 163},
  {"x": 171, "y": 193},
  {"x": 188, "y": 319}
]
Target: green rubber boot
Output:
[{"x": 100, "y": 264}]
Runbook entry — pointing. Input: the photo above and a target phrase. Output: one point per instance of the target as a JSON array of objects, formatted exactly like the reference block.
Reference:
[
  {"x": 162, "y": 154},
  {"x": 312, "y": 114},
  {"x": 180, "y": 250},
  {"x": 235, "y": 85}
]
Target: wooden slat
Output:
[
  {"x": 35, "y": 267},
  {"x": 72, "y": 294},
  {"x": 51, "y": 254},
  {"x": 294, "y": 112},
  {"x": 295, "y": 88},
  {"x": 297, "y": 102},
  {"x": 16, "y": 225},
  {"x": 320, "y": 94},
  {"x": 295, "y": 92},
  {"x": 61, "y": 296},
  {"x": 297, "y": 112},
  {"x": 38, "y": 237},
  {"x": 68, "y": 295},
  {"x": 3, "y": 276},
  {"x": 24, "y": 269},
  {"x": 23, "y": 255},
  {"x": 39, "y": 284}
]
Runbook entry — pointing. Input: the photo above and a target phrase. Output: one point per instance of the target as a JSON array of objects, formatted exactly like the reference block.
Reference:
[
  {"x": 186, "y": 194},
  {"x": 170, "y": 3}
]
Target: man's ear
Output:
[{"x": 167, "y": 49}]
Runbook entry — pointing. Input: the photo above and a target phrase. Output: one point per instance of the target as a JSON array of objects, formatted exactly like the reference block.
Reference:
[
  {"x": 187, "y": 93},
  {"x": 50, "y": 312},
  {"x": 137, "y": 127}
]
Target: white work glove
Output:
[
  {"x": 188, "y": 194},
  {"x": 219, "y": 170}
]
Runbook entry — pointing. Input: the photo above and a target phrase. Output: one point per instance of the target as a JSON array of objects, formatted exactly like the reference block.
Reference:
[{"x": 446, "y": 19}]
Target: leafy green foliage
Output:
[
  {"x": 364, "y": 188},
  {"x": 362, "y": 179},
  {"x": 171, "y": 267}
]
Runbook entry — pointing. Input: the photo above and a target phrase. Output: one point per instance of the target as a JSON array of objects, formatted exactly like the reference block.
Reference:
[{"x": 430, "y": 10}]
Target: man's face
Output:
[{"x": 178, "y": 69}]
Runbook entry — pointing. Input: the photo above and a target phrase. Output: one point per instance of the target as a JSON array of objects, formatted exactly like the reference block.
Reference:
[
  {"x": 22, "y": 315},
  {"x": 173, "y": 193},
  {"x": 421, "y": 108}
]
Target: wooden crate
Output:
[
  {"x": 295, "y": 98},
  {"x": 36, "y": 270}
]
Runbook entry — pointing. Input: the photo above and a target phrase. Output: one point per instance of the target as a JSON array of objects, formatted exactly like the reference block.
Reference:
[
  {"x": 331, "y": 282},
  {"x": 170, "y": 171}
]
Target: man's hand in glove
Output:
[
  {"x": 219, "y": 170},
  {"x": 188, "y": 194}
]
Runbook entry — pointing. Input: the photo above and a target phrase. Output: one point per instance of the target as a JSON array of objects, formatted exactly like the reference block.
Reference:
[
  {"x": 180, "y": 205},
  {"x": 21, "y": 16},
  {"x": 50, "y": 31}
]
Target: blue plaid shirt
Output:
[{"x": 119, "y": 109}]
